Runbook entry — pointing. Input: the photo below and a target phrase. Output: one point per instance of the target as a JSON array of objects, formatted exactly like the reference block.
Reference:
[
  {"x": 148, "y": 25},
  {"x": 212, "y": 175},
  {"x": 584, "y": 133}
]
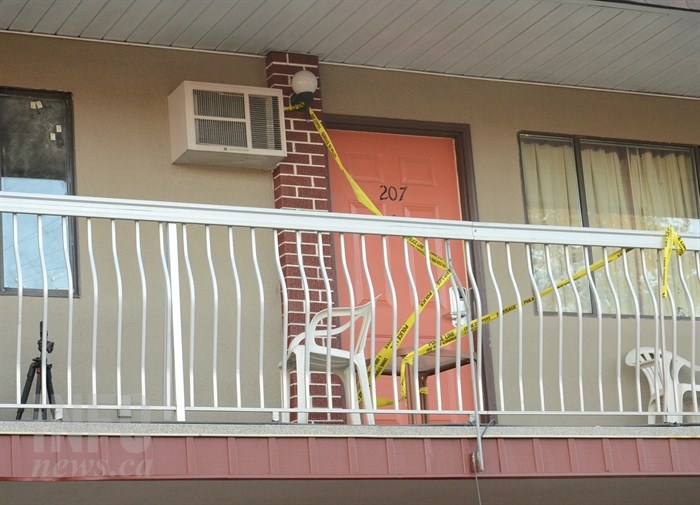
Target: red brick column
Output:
[{"x": 301, "y": 182}]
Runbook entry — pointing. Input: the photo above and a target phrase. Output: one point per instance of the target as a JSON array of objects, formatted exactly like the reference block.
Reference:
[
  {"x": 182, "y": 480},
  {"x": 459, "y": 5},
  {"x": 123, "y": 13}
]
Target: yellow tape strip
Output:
[
  {"x": 672, "y": 241},
  {"x": 385, "y": 354},
  {"x": 451, "y": 336}
]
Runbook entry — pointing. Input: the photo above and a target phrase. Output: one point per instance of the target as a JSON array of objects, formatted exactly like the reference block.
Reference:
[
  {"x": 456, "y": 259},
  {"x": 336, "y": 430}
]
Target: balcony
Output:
[
  {"x": 177, "y": 312},
  {"x": 177, "y": 319}
]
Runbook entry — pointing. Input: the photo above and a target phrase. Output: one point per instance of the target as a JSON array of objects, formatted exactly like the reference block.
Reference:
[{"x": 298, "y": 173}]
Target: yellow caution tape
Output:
[
  {"x": 672, "y": 241},
  {"x": 451, "y": 336},
  {"x": 385, "y": 354}
]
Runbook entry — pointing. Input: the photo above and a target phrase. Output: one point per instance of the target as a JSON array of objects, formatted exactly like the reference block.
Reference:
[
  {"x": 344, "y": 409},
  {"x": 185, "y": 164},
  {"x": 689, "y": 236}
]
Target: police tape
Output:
[
  {"x": 672, "y": 242},
  {"x": 385, "y": 355},
  {"x": 450, "y": 336}
]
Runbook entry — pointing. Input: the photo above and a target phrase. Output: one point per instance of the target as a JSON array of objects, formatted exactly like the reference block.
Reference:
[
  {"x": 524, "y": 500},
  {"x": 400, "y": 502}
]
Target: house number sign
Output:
[{"x": 392, "y": 193}]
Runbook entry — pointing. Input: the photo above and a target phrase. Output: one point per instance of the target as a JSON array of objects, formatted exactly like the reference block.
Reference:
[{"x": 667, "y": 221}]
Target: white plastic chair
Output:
[
  {"x": 663, "y": 379},
  {"x": 307, "y": 355}
]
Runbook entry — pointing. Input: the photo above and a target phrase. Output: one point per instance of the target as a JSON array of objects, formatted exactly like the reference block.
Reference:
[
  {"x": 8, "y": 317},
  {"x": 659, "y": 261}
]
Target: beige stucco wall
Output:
[
  {"x": 121, "y": 115},
  {"x": 122, "y": 144},
  {"x": 121, "y": 122}
]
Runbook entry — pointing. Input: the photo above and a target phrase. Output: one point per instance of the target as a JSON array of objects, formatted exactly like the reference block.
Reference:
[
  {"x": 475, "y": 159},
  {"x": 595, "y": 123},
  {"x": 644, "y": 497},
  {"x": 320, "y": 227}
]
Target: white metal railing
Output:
[{"x": 185, "y": 312}]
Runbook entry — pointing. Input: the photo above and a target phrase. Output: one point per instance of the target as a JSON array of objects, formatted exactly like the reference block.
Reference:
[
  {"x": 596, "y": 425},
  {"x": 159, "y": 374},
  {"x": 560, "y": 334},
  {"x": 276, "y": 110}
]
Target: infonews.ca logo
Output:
[
  {"x": 64, "y": 468},
  {"x": 61, "y": 457}
]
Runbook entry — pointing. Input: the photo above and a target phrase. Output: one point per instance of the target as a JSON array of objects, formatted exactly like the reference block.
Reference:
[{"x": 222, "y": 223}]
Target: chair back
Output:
[
  {"x": 356, "y": 319},
  {"x": 658, "y": 377}
]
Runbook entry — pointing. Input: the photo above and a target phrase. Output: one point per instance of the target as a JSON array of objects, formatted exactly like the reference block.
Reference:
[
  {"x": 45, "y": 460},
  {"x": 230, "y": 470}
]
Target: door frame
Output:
[{"x": 461, "y": 135}]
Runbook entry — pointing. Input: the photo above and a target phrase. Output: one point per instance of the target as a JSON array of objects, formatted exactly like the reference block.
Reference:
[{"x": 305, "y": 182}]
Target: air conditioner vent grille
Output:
[
  {"x": 219, "y": 104},
  {"x": 219, "y": 132},
  {"x": 264, "y": 122}
]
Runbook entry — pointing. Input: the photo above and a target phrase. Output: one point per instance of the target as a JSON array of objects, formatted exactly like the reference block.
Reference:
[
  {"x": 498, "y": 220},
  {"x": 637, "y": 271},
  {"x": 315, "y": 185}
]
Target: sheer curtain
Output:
[
  {"x": 552, "y": 198},
  {"x": 642, "y": 188},
  {"x": 627, "y": 187}
]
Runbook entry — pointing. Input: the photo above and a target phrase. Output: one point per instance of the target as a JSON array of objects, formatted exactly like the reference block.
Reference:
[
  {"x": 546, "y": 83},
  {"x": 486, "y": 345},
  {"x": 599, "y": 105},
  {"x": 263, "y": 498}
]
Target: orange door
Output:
[{"x": 409, "y": 176}]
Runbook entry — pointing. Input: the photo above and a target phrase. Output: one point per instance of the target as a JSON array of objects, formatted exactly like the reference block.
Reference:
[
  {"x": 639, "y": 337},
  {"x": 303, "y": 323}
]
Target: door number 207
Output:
[{"x": 392, "y": 192}]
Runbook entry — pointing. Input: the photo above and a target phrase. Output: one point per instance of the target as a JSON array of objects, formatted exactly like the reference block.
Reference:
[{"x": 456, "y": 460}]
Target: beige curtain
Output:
[
  {"x": 552, "y": 198},
  {"x": 645, "y": 189},
  {"x": 627, "y": 187}
]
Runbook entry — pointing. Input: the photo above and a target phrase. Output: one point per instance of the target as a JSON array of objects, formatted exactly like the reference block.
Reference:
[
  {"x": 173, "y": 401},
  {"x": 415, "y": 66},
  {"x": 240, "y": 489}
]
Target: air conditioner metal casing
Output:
[{"x": 227, "y": 126}]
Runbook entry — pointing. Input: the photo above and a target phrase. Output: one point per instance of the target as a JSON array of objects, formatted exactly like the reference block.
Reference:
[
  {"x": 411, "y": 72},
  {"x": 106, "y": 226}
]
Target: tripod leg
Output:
[
  {"x": 37, "y": 395},
  {"x": 49, "y": 390},
  {"x": 27, "y": 387}
]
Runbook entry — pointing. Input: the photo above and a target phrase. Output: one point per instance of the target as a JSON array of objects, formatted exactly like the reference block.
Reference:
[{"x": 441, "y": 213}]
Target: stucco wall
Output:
[
  {"x": 121, "y": 115},
  {"x": 122, "y": 144}
]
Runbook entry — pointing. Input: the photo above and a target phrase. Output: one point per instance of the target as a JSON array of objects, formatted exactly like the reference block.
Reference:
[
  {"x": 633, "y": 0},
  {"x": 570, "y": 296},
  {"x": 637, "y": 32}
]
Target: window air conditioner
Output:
[{"x": 226, "y": 126}]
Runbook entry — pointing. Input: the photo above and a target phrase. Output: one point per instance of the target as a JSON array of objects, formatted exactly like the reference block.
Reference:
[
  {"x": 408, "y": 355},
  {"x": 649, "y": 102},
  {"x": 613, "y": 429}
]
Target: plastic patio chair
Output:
[
  {"x": 309, "y": 353},
  {"x": 662, "y": 379}
]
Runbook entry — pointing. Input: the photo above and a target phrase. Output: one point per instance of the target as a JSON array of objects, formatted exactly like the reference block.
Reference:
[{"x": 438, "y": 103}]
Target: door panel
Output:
[{"x": 409, "y": 176}]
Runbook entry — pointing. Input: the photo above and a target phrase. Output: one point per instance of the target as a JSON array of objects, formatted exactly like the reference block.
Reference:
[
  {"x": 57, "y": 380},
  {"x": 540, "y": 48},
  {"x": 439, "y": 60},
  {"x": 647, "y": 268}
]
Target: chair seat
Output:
[{"x": 308, "y": 353}]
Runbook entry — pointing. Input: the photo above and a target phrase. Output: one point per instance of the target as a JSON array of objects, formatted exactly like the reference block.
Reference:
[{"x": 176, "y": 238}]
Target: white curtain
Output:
[
  {"x": 552, "y": 198},
  {"x": 642, "y": 188},
  {"x": 627, "y": 187}
]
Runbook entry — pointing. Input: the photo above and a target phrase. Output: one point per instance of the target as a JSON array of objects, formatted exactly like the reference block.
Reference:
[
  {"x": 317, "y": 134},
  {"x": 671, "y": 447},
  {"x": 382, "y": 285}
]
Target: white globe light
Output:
[{"x": 304, "y": 82}]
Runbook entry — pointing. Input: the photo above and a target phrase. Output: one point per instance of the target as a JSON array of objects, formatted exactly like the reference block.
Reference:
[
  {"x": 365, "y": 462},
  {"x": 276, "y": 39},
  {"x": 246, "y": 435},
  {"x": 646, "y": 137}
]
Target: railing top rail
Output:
[{"x": 304, "y": 220}]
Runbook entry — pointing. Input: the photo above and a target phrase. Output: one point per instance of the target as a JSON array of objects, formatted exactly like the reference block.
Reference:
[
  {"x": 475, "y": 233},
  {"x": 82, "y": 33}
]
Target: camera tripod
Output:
[{"x": 35, "y": 372}]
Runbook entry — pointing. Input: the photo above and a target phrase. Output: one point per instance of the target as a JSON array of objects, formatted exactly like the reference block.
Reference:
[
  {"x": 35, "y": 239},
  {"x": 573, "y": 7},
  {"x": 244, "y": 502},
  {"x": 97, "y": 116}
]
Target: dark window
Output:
[{"x": 36, "y": 156}]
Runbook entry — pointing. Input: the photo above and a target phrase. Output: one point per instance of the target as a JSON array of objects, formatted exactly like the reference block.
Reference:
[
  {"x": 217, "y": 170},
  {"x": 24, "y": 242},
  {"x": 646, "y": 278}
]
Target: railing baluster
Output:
[
  {"x": 540, "y": 322},
  {"x": 45, "y": 310},
  {"x": 20, "y": 301},
  {"x": 261, "y": 317},
  {"x": 691, "y": 308},
  {"x": 598, "y": 308},
  {"x": 372, "y": 329},
  {"x": 436, "y": 304},
  {"x": 499, "y": 306},
  {"x": 618, "y": 332},
  {"x": 285, "y": 328},
  {"x": 329, "y": 298},
  {"x": 637, "y": 319},
  {"x": 167, "y": 375},
  {"x": 579, "y": 321},
  {"x": 413, "y": 291},
  {"x": 215, "y": 317},
  {"x": 239, "y": 312},
  {"x": 303, "y": 392},
  {"x": 521, "y": 392},
  {"x": 193, "y": 313},
  {"x": 95, "y": 308},
  {"x": 476, "y": 371},
  {"x": 70, "y": 293},
  {"x": 120, "y": 305},
  {"x": 177, "y": 323},
  {"x": 394, "y": 320},
  {"x": 144, "y": 308},
  {"x": 560, "y": 320},
  {"x": 658, "y": 322}
]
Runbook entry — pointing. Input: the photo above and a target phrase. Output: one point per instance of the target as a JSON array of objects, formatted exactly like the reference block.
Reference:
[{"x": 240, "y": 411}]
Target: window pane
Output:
[
  {"x": 28, "y": 240},
  {"x": 642, "y": 188},
  {"x": 552, "y": 198},
  {"x": 35, "y": 157},
  {"x": 33, "y": 138}
]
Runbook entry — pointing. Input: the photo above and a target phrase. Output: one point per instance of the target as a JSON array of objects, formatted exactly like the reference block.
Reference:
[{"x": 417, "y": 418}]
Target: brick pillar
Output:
[{"x": 301, "y": 182}]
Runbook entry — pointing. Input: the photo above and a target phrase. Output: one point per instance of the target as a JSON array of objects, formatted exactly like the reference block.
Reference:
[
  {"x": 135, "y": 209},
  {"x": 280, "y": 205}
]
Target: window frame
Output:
[
  {"x": 576, "y": 141},
  {"x": 69, "y": 143}
]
